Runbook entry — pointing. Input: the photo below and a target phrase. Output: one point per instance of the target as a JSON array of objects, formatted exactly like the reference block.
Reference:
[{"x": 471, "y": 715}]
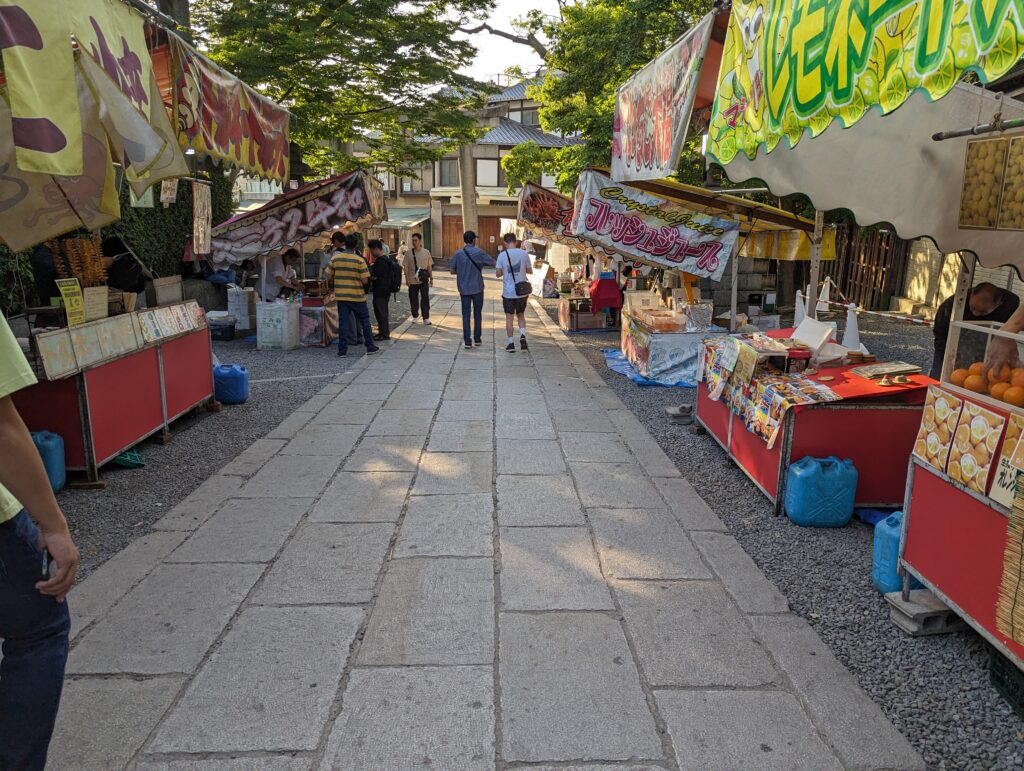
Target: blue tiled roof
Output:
[
  {"x": 516, "y": 92},
  {"x": 509, "y": 132}
]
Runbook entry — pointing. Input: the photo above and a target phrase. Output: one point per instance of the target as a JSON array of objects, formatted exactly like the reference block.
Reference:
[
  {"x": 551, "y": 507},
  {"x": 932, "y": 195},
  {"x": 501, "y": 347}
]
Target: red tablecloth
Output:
[{"x": 604, "y": 293}]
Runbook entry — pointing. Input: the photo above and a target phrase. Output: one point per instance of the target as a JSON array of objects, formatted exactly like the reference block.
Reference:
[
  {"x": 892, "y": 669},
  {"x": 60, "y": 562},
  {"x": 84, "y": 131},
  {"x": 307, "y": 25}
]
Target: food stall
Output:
[
  {"x": 910, "y": 122},
  {"x": 309, "y": 213}
]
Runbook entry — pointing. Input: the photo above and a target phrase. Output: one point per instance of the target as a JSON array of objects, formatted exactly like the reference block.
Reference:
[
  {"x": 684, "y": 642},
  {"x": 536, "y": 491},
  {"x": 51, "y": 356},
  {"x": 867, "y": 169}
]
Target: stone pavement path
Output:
[{"x": 456, "y": 560}]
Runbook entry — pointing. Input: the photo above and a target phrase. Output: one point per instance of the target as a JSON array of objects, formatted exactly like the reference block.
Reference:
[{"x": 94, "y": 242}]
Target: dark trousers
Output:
[
  {"x": 476, "y": 302},
  {"x": 34, "y": 628},
  {"x": 362, "y": 318},
  {"x": 419, "y": 295},
  {"x": 380, "y": 311}
]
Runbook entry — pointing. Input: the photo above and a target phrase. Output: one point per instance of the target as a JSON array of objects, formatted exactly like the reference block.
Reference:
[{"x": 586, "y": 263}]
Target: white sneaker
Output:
[{"x": 427, "y": 322}]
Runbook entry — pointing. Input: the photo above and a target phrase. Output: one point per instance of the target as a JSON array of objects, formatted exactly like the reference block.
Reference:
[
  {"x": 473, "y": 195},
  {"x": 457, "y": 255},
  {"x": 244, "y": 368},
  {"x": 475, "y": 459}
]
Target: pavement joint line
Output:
[
  {"x": 293, "y": 377},
  {"x": 499, "y": 734}
]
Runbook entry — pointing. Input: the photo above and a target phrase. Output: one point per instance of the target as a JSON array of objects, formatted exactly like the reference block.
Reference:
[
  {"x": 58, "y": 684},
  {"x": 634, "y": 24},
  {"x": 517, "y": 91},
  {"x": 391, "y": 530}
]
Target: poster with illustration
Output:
[
  {"x": 1004, "y": 481},
  {"x": 974, "y": 446},
  {"x": 938, "y": 422}
]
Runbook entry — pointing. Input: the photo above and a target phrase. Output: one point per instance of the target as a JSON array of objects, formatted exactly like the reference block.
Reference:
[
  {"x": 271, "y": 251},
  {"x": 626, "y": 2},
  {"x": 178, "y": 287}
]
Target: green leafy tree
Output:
[{"x": 384, "y": 72}]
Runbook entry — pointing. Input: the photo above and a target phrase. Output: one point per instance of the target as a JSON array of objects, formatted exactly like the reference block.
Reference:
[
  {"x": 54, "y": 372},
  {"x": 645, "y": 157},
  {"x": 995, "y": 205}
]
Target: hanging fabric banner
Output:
[
  {"x": 794, "y": 66},
  {"x": 656, "y": 230},
  {"x": 652, "y": 108},
  {"x": 201, "y": 217},
  {"x": 40, "y": 70},
  {"x": 221, "y": 117},
  {"x": 546, "y": 214}
]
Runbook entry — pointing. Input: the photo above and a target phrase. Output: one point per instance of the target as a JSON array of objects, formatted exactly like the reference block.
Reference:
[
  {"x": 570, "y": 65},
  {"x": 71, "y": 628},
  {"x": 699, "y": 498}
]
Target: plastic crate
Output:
[{"x": 1008, "y": 680}]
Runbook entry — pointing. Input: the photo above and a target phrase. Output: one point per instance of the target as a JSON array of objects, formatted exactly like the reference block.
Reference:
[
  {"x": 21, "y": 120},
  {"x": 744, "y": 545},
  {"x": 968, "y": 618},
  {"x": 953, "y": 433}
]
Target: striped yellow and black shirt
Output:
[{"x": 350, "y": 274}]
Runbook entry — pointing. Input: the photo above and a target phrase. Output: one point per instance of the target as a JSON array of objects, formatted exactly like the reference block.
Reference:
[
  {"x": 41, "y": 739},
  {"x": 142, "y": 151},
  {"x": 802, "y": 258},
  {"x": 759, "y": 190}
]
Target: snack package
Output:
[{"x": 938, "y": 422}]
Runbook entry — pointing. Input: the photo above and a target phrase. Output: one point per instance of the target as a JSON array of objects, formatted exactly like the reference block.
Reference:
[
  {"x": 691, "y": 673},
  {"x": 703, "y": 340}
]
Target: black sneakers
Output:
[
  {"x": 522, "y": 343},
  {"x": 511, "y": 347}
]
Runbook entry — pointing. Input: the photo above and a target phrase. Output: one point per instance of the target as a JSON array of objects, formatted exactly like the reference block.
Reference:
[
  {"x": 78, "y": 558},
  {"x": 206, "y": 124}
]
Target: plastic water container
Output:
[
  {"x": 820, "y": 492},
  {"x": 231, "y": 383},
  {"x": 887, "y": 554},
  {"x": 51, "y": 449},
  {"x": 277, "y": 326}
]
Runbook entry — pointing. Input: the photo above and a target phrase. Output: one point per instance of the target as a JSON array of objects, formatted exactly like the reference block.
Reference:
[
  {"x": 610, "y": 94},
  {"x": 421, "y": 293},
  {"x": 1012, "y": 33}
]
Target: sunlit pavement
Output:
[{"x": 455, "y": 559}]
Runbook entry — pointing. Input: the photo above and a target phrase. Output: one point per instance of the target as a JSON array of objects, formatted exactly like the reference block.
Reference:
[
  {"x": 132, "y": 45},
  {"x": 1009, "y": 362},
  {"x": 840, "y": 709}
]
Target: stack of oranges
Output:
[{"x": 1006, "y": 385}]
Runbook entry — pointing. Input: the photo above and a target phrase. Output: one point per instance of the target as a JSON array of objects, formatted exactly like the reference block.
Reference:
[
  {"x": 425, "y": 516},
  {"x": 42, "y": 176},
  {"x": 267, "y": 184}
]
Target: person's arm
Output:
[
  {"x": 22, "y": 473},
  {"x": 1001, "y": 350}
]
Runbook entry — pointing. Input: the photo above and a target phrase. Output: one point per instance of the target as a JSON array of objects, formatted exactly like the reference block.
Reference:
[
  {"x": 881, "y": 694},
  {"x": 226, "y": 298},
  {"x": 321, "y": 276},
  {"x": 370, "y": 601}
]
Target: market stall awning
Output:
[
  {"x": 350, "y": 201},
  {"x": 404, "y": 218}
]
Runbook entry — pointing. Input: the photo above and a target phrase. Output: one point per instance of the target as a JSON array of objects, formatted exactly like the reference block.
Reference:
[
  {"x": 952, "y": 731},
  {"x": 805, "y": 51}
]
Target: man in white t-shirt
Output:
[
  {"x": 512, "y": 267},
  {"x": 268, "y": 286}
]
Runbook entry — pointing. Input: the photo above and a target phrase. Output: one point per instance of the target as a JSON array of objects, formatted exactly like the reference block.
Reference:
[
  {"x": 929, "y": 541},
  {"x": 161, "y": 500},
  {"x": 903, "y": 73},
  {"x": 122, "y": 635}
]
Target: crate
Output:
[
  {"x": 1008, "y": 680},
  {"x": 582, "y": 320},
  {"x": 163, "y": 291}
]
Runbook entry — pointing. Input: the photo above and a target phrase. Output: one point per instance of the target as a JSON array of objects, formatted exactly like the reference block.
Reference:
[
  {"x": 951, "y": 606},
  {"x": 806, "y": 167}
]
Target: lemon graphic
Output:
[
  {"x": 941, "y": 80},
  {"x": 894, "y": 91},
  {"x": 965, "y": 49},
  {"x": 1004, "y": 53},
  {"x": 820, "y": 121},
  {"x": 852, "y": 111}
]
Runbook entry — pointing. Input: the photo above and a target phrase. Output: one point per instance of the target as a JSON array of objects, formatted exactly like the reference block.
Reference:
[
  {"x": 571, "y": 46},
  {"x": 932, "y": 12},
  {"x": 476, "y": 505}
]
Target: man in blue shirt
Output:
[{"x": 467, "y": 265}]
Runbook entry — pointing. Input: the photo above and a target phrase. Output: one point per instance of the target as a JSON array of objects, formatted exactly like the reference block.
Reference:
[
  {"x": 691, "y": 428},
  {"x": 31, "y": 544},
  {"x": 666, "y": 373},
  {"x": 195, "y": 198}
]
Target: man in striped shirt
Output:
[{"x": 350, "y": 275}]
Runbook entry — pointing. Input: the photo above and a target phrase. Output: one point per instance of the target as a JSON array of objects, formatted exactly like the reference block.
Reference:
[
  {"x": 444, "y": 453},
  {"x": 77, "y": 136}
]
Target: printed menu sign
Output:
[
  {"x": 74, "y": 300},
  {"x": 1005, "y": 479}
]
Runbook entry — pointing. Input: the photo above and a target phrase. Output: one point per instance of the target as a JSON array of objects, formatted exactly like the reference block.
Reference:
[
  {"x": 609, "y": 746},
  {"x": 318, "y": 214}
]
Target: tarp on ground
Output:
[{"x": 347, "y": 202}]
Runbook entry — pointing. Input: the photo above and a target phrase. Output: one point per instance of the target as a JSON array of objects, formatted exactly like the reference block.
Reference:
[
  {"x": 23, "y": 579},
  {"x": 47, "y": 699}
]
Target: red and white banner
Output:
[
  {"x": 652, "y": 108},
  {"x": 656, "y": 230}
]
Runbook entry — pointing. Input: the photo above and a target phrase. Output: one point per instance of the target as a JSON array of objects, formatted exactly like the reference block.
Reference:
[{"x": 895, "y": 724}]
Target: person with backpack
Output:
[
  {"x": 513, "y": 266},
  {"x": 419, "y": 277},
  {"x": 386, "y": 278},
  {"x": 467, "y": 266}
]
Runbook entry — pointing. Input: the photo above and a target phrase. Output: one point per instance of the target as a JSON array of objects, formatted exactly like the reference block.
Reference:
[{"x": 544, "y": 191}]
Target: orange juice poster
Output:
[
  {"x": 938, "y": 422},
  {"x": 1005, "y": 479},
  {"x": 974, "y": 446}
]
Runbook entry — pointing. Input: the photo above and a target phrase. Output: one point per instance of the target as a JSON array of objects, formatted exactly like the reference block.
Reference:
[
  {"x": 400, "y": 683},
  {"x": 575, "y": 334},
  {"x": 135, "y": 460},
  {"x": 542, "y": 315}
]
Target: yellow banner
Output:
[
  {"x": 40, "y": 70},
  {"x": 791, "y": 67}
]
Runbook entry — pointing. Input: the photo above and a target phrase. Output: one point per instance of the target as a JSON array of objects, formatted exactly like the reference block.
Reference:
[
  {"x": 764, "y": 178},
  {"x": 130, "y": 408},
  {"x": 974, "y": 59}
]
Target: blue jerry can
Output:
[
  {"x": 820, "y": 492},
  {"x": 231, "y": 383},
  {"x": 887, "y": 554},
  {"x": 51, "y": 449}
]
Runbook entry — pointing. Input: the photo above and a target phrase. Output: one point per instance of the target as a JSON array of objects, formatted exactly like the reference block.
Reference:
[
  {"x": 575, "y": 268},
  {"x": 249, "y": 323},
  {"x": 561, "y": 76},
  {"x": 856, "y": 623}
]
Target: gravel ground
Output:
[
  {"x": 935, "y": 690},
  {"x": 105, "y": 521}
]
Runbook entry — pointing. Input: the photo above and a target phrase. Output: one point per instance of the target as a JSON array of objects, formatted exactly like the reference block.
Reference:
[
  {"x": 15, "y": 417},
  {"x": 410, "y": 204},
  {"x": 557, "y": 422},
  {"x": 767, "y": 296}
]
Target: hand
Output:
[
  {"x": 1001, "y": 351},
  {"x": 65, "y": 554}
]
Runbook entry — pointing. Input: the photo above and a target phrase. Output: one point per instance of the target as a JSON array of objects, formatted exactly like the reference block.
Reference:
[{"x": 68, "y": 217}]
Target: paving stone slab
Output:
[
  {"x": 590, "y": 448},
  {"x": 538, "y": 500},
  {"x": 585, "y": 421},
  {"x": 479, "y": 376},
  {"x": 530, "y": 456},
  {"x": 269, "y": 686},
  {"x": 382, "y": 453},
  {"x": 517, "y": 386},
  {"x": 165, "y": 624},
  {"x": 570, "y": 690},
  {"x": 349, "y": 413},
  {"x": 626, "y": 422},
  {"x": 749, "y": 587},
  {"x": 200, "y": 503},
  {"x": 689, "y": 634},
  {"x": 614, "y": 486},
  {"x": 571, "y": 399},
  {"x": 465, "y": 410},
  {"x": 290, "y": 426},
  {"x": 461, "y": 391},
  {"x": 327, "y": 564},
  {"x": 462, "y": 436},
  {"x": 524, "y": 424},
  {"x": 315, "y": 403},
  {"x": 413, "y": 380},
  {"x": 452, "y": 473},
  {"x": 252, "y": 459},
  {"x": 448, "y": 526},
  {"x": 685, "y": 502},
  {"x": 379, "y": 377},
  {"x": 401, "y": 423},
  {"x": 291, "y": 476},
  {"x": 371, "y": 496},
  {"x": 652, "y": 458},
  {"x": 103, "y": 722},
  {"x": 415, "y": 717},
  {"x": 645, "y": 543},
  {"x": 588, "y": 767},
  {"x": 607, "y": 399},
  {"x": 551, "y": 568},
  {"x": 853, "y": 725},
  {"x": 263, "y": 762},
  {"x": 360, "y": 393},
  {"x": 414, "y": 396},
  {"x": 332, "y": 389},
  {"x": 432, "y": 611},
  {"x": 114, "y": 578},
  {"x": 742, "y": 729},
  {"x": 324, "y": 440},
  {"x": 244, "y": 530}
]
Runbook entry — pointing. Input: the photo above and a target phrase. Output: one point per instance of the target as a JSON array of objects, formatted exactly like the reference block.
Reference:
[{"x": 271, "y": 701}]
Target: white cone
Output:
[
  {"x": 801, "y": 309},
  {"x": 851, "y": 335},
  {"x": 825, "y": 296}
]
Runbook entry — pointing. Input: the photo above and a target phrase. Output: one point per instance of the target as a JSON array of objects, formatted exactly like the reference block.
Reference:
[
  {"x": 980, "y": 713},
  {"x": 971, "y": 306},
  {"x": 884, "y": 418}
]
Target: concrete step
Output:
[{"x": 923, "y": 614}]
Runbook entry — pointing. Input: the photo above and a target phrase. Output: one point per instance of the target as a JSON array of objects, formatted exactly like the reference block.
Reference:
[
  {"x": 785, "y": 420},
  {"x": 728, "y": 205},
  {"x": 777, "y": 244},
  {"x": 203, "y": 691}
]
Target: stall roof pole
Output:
[
  {"x": 734, "y": 299},
  {"x": 964, "y": 280},
  {"x": 812, "y": 293}
]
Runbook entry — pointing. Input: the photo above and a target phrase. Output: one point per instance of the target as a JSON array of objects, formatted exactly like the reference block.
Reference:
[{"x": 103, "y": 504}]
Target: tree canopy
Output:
[{"x": 380, "y": 71}]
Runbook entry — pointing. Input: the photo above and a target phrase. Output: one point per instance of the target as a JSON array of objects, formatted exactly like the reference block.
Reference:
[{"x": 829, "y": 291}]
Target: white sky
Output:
[{"x": 495, "y": 53}]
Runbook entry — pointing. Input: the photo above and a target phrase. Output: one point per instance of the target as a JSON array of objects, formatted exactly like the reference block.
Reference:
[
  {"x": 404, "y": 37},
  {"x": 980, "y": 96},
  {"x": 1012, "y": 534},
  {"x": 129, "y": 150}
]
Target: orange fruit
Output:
[
  {"x": 978, "y": 368},
  {"x": 1014, "y": 395},
  {"x": 1017, "y": 378},
  {"x": 958, "y": 376},
  {"x": 976, "y": 383},
  {"x": 997, "y": 390},
  {"x": 1002, "y": 376}
]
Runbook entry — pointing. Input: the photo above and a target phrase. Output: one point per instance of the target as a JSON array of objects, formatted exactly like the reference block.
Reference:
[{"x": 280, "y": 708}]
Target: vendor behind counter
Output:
[{"x": 987, "y": 303}]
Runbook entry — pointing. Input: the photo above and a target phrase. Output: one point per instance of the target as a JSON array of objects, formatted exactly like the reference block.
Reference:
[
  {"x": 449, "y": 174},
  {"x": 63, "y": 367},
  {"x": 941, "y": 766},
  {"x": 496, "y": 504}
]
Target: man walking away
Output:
[
  {"x": 350, "y": 275},
  {"x": 513, "y": 266},
  {"x": 467, "y": 266},
  {"x": 419, "y": 275},
  {"x": 34, "y": 620},
  {"x": 386, "y": 274}
]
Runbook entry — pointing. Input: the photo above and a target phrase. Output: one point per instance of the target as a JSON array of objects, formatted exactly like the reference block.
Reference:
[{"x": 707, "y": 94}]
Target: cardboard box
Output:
[
  {"x": 636, "y": 302},
  {"x": 581, "y": 320},
  {"x": 164, "y": 291},
  {"x": 242, "y": 305}
]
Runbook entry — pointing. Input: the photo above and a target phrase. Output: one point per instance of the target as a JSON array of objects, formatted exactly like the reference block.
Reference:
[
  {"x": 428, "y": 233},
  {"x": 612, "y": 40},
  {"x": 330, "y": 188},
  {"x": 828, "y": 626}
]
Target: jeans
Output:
[
  {"x": 380, "y": 311},
  {"x": 419, "y": 294},
  {"x": 362, "y": 318},
  {"x": 477, "y": 303},
  {"x": 34, "y": 628}
]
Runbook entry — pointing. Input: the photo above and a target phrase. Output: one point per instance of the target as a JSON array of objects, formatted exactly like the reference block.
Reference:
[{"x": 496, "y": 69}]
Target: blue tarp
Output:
[{"x": 617, "y": 362}]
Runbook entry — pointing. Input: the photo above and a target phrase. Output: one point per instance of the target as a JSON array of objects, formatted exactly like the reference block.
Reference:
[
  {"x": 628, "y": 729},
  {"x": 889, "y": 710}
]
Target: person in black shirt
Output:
[
  {"x": 380, "y": 274},
  {"x": 987, "y": 303}
]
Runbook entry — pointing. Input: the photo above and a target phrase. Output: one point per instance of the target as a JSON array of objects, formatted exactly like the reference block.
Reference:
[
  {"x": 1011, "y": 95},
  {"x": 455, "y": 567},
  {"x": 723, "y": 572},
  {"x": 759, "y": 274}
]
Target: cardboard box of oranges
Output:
[
  {"x": 1006, "y": 385},
  {"x": 974, "y": 446},
  {"x": 938, "y": 422}
]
